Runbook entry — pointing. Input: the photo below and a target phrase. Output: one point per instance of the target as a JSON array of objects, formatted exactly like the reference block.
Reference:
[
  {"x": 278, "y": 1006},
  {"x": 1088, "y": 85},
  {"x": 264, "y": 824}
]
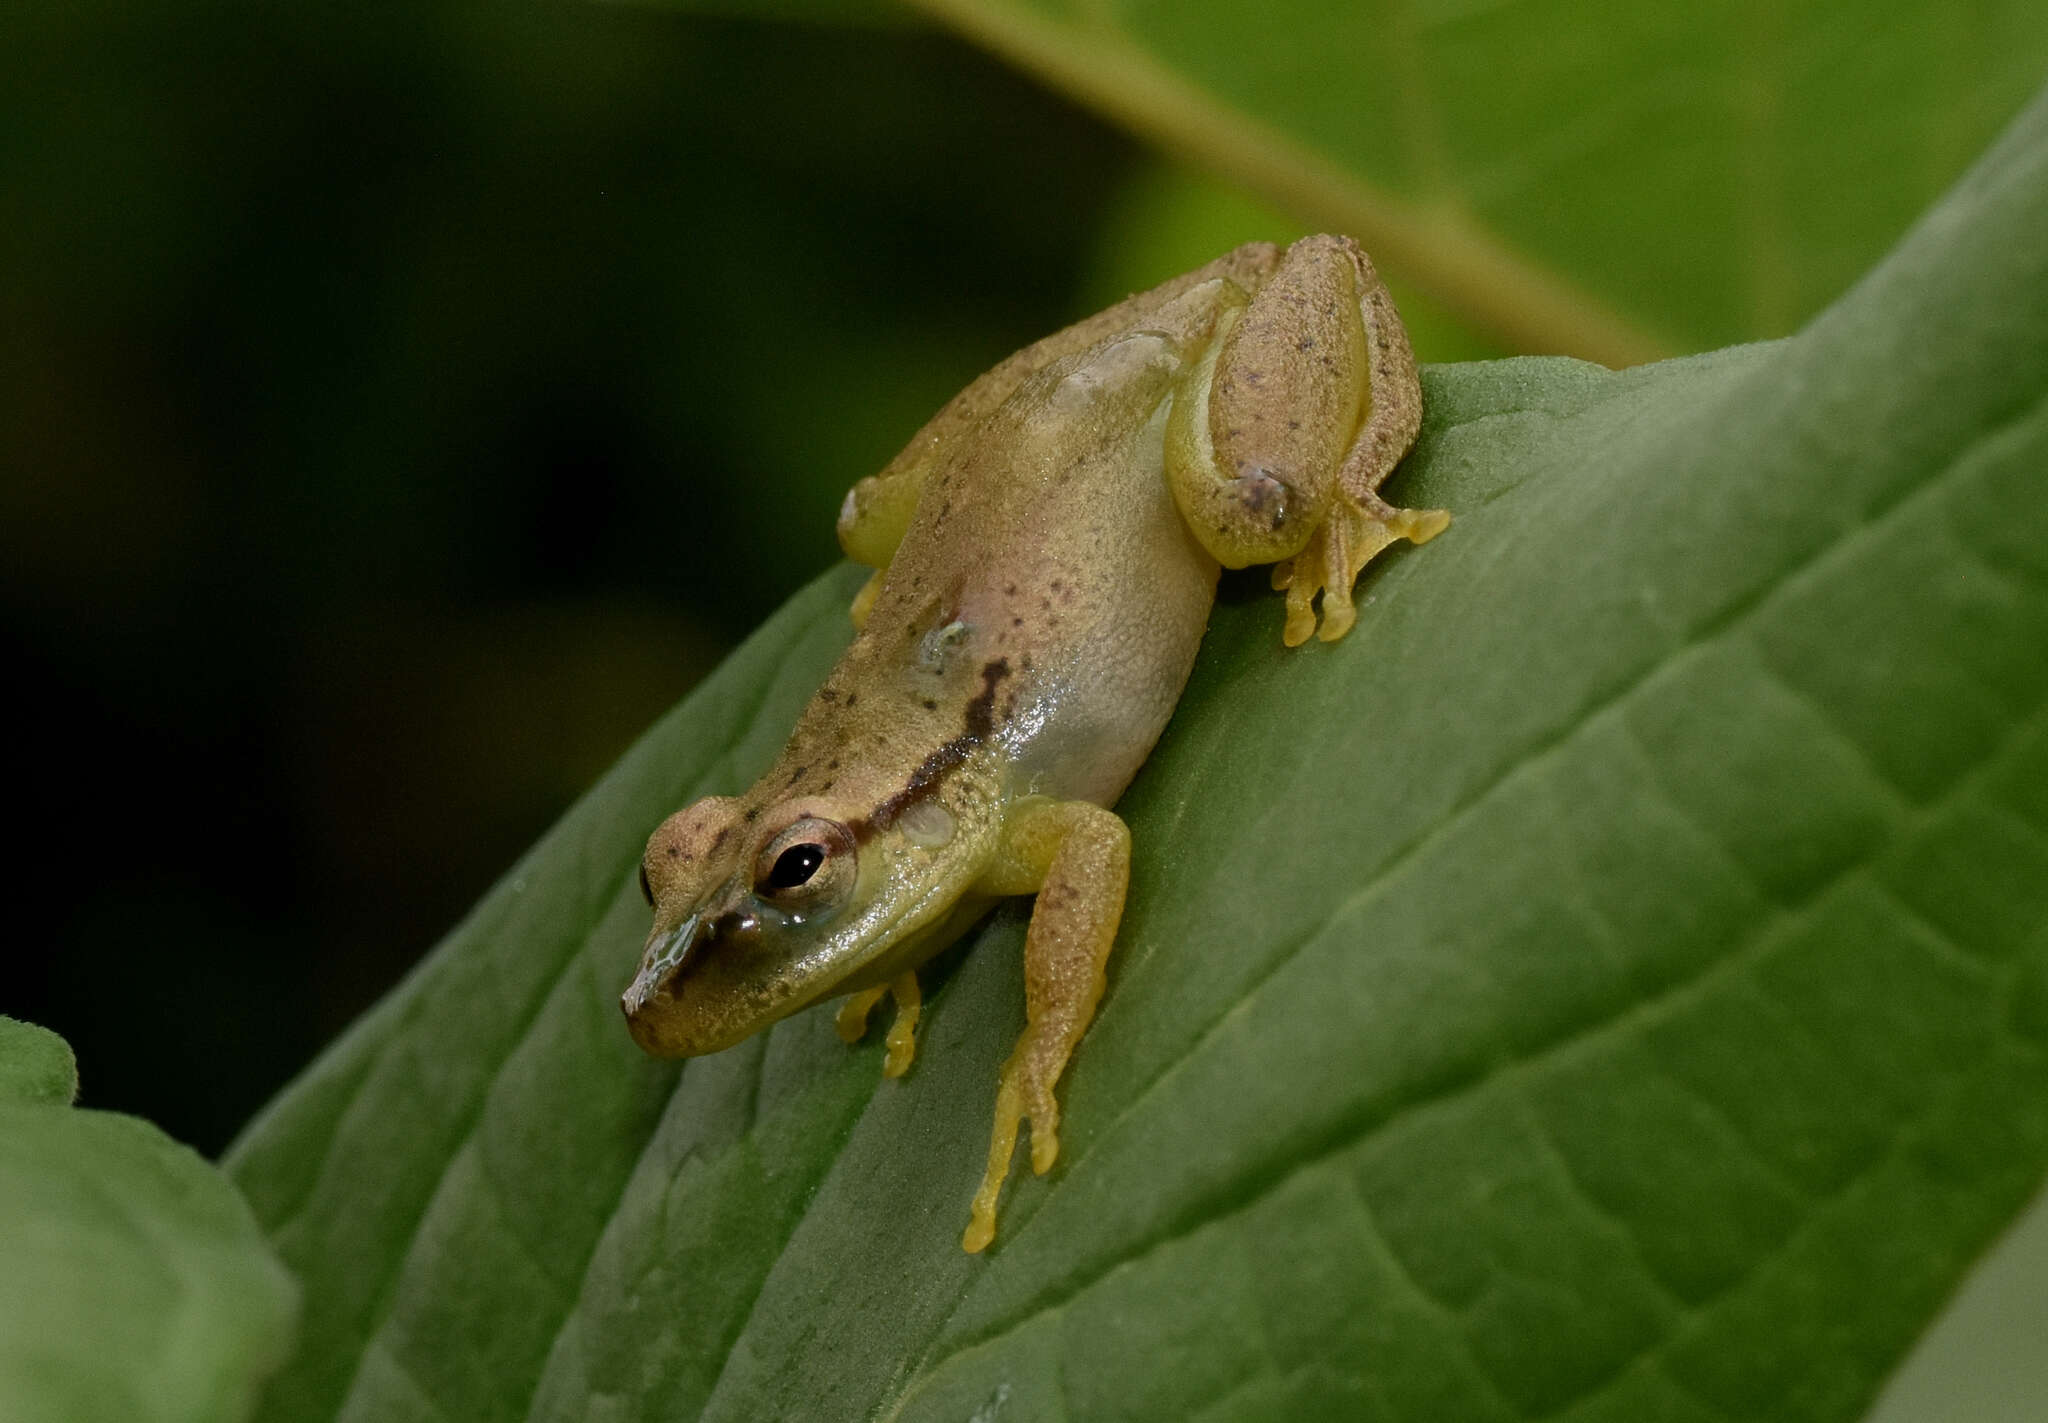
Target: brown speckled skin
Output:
[
  {"x": 1066, "y": 657},
  {"x": 1051, "y": 542}
]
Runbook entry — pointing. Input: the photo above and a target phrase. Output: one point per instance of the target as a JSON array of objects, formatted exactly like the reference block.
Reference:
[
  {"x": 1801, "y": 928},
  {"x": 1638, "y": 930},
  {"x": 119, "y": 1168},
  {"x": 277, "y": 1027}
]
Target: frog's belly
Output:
[{"x": 1104, "y": 681}]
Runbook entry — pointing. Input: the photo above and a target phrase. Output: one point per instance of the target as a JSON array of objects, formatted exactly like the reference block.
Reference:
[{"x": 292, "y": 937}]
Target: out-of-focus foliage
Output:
[
  {"x": 134, "y": 1285},
  {"x": 1597, "y": 177},
  {"x": 400, "y": 410},
  {"x": 1594, "y": 177}
]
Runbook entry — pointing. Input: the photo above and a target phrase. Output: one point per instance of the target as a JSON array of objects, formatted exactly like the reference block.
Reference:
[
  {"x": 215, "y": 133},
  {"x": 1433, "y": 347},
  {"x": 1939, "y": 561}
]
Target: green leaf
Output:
[
  {"x": 134, "y": 1284},
  {"x": 1610, "y": 180},
  {"x": 1981, "y": 1361},
  {"x": 1612, "y": 984},
  {"x": 35, "y": 1065}
]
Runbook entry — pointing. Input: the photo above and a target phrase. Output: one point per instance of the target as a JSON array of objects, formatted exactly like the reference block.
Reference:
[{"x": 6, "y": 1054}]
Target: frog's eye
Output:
[
  {"x": 805, "y": 861},
  {"x": 795, "y": 866}
]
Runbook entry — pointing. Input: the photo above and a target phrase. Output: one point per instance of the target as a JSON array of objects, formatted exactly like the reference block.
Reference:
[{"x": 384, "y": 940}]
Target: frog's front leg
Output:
[
  {"x": 1076, "y": 856},
  {"x": 1283, "y": 432}
]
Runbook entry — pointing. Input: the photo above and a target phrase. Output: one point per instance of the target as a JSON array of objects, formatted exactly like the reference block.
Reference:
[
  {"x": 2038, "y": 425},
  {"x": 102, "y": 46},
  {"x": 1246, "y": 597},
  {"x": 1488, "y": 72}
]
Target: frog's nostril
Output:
[{"x": 667, "y": 955}]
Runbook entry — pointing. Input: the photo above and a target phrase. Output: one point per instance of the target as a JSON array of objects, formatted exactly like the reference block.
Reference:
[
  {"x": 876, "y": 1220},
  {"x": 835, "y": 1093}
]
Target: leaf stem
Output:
[{"x": 1437, "y": 246}]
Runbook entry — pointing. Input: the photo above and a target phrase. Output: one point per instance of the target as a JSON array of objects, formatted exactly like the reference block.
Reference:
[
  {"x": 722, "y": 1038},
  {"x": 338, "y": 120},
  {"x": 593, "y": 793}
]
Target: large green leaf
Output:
[
  {"x": 134, "y": 1286},
  {"x": 1597, "y": 177},
  {"x": 1611, "y": 984}
]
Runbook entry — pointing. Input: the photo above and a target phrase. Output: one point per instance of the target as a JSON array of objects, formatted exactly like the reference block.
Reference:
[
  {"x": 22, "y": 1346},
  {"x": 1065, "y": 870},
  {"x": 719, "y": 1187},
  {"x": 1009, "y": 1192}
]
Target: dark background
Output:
[{"x": 399, "y": 412}]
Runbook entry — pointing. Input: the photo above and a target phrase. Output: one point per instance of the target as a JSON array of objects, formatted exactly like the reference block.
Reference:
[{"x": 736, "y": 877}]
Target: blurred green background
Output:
[{"x": 401, "y": 410}]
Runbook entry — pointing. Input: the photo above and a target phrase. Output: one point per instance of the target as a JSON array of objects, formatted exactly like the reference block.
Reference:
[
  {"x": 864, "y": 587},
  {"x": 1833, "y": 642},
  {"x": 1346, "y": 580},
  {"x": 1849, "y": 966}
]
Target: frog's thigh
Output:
[
  {"x": 1261, "y": 425},
  {"x": 1077, "y": 857}
]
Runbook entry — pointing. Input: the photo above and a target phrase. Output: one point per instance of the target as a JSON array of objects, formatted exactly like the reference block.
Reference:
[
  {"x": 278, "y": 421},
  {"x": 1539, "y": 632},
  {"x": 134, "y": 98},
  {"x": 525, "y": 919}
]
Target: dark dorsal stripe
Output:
[{"x": 932, "y": 772}]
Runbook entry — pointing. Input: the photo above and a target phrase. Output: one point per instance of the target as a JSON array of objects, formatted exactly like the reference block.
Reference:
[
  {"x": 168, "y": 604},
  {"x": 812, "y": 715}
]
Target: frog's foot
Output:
[
  {"x": 1081, "y": 856},
  {"x": 852, "y": 1021},
  {"x": 1023, "y": 1093},
  {"x": 901, "y": 1044},
  {"x": 1352, "y": 535}
]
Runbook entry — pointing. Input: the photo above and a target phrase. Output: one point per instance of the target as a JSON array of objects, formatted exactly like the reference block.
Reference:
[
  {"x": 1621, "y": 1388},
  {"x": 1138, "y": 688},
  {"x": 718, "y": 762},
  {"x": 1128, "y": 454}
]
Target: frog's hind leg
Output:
[
  {"x": 1077, "y": 857},
  {"x": 1280, "y": 436},
  {"x": 1359, "y": 523},
  {"x": 1261, "y": 423}
]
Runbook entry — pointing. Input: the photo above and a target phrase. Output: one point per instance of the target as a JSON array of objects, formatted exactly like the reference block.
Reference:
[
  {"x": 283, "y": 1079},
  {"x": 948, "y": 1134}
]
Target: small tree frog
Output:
[{"x": 1046, "y": 552}]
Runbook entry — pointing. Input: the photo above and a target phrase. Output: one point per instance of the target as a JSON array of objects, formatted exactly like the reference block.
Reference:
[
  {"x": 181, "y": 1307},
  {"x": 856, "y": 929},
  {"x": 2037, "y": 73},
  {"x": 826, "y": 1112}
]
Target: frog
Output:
[{"x": 1046, "y": 552}]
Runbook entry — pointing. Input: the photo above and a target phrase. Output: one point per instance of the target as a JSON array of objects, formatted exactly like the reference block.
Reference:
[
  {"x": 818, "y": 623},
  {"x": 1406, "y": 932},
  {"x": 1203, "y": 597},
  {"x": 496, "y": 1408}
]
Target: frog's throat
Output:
[{"x": 919, "y": 933}]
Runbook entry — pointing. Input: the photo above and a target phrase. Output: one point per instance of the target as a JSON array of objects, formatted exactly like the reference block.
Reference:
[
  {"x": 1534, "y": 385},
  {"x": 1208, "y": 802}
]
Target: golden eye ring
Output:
[{"x": 803, "y": 861}]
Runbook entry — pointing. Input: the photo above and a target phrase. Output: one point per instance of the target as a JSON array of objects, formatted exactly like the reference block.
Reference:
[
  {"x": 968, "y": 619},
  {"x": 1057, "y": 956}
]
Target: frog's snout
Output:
[
  {"x": 689, "y": 996},
  {"x": 650, "y": 999}
]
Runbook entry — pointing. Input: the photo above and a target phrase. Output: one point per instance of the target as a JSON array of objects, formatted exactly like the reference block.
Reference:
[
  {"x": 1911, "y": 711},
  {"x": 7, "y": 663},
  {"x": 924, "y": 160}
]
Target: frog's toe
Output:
[
  {"x": 902, "y": 1040},
  {"x": 1351, "y": 537},
  {"x": 852, "y": 1020},
  {"x": 981, "y": 1224},
  {"x": 1045, "y": 1138},
  {"x": 1301, "y": 587}
]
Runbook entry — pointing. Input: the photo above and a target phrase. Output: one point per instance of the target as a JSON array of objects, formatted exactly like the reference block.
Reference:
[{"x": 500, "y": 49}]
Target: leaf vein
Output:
[
  {"x": 1739, "y": 958},
  {"x": 1732, "y": 615},
  {"x": 578, "y": 944}
]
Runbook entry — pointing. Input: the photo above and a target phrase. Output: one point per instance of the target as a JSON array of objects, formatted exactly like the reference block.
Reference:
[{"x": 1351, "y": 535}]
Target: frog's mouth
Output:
[
  {"x": 714, "y": 980},
  {"x": 686, "y": 999}
]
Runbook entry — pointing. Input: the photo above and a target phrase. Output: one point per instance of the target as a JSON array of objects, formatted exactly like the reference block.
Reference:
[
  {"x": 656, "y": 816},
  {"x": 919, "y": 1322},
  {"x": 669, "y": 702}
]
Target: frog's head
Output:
[{"x": 762, "y": 910}]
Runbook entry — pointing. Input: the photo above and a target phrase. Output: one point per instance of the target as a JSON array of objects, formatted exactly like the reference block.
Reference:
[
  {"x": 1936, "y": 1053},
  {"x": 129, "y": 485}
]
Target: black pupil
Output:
[{"x": 795, "y": 866}]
